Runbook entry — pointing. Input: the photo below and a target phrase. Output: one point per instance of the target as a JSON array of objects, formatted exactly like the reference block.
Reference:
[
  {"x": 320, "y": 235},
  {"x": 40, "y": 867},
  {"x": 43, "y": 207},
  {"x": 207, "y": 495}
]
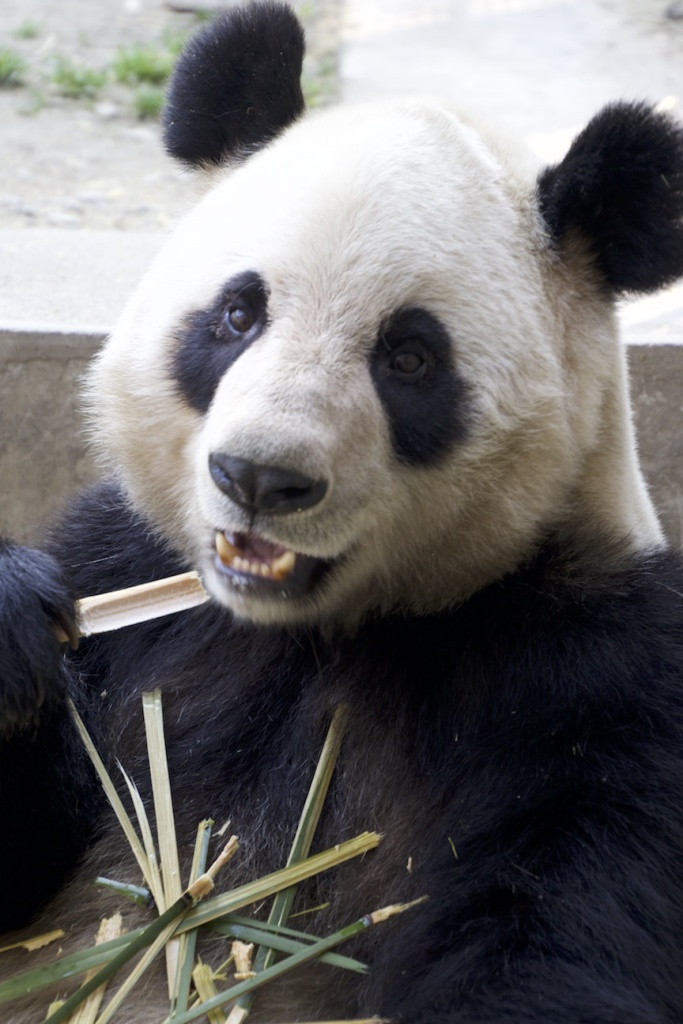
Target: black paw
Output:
[{"x": 35, "y": 605}]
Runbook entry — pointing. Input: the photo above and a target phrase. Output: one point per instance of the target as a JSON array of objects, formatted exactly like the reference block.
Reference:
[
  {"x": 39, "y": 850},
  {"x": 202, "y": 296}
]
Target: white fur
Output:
[{"x": 350, "y": 215}]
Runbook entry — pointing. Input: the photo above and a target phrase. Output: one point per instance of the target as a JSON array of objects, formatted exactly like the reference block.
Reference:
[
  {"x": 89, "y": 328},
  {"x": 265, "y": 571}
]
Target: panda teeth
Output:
[
  {"x": 279, "y": 569},
  {"x": 227, "y": 552},
  {"x": 283, "y": 566}
]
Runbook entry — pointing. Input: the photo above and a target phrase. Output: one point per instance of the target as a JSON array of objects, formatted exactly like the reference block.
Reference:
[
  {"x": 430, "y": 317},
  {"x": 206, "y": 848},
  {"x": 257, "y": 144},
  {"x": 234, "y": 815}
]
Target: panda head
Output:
[{"x": 377, "y": 364}]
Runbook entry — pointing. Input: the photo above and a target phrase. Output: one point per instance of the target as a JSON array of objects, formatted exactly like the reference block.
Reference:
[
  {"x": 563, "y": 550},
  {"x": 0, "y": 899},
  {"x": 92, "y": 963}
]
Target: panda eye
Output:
[
  {"x": 239, "y": 319},
  {"x": 408, "y": 364}
]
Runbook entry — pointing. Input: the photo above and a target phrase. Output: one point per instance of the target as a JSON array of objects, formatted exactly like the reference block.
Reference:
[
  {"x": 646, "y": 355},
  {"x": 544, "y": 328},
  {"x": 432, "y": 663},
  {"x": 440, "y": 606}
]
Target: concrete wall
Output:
[{"x": 43, "y": 449}]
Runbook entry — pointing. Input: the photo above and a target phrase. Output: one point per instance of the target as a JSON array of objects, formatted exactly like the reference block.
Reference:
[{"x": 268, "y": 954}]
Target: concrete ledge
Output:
[{"x": 60, "y": 293}]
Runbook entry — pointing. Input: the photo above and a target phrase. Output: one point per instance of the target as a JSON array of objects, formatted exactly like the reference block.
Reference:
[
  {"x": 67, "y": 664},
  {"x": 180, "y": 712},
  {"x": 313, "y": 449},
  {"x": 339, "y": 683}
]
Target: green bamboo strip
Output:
[
  {"x": 165, "y": 818},
  {"x": 147, "y": 936},
  {"x": 260, "y": 889},
  {"x": 113, "y": 797},
  {"x": 359, "y": 1020},
  {"x": 299, "y": 936},
  {"x": 301, "y": 845},
  {"x": 68, "y": 967},
  {"x": 155, "y": 883},
  {"x": 209, "y": 911},
  {"x": 284, "y": 966},
  {"x": 188, "y": 942},
  {"x": 160, "y": 942},
  {"x": 284, "y": 944},
  {"x": 138, "y": 894}
]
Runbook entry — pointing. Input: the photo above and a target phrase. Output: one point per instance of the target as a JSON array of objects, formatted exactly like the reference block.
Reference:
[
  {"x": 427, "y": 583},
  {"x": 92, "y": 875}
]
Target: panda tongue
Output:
[
  {"x": 247, "y": 552},
  {"x": 254, "y": 547}
]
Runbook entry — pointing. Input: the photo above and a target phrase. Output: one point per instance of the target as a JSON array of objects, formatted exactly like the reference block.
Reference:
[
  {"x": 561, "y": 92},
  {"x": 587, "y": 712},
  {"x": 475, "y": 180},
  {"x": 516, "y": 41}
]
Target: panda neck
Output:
[{"x": 611, "y": 495}]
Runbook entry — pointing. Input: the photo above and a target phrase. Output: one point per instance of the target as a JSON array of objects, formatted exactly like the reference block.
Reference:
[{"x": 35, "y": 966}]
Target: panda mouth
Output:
[{"x": 249, "y": 559}]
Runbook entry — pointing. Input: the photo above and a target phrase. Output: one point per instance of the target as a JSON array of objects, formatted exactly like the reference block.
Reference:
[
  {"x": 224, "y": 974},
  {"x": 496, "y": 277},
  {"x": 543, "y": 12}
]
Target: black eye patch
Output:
[
  {"x": 413, "y": 370},
  {"x": 212, "y": 339}
]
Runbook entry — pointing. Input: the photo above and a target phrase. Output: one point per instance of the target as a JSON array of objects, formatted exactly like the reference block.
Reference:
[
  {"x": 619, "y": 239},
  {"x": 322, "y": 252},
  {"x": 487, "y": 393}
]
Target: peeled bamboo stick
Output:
[{"x": 126, "y": 607}]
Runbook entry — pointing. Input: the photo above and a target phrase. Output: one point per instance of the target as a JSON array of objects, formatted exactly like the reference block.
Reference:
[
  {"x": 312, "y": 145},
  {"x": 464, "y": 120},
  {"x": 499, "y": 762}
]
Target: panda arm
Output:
[
  {"x": 565, "y": 902},
  {"x": 48, "y": 796},
  {"x": 43, "y": 779}
]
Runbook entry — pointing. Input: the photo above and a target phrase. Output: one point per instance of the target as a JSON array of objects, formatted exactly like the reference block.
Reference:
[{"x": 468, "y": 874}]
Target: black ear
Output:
[
  {"x": 236, "y": 84},
  {"x": 621, "y": 187}
]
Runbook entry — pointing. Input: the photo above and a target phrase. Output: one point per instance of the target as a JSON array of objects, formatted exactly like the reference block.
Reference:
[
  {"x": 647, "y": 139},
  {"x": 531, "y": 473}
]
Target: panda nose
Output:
[{"x": 264, "y": 488}]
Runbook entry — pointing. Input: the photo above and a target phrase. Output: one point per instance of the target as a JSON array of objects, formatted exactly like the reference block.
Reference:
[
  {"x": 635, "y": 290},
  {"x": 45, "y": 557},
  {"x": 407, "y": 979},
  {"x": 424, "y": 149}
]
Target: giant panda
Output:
[{"x": 372, "y": 389}]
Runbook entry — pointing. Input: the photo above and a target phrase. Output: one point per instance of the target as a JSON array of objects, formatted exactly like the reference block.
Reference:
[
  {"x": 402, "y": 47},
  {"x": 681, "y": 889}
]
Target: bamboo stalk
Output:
[
  {"x": 146, "y": 936},
  {"x": 165, "y": 819},
  {"x": 126, "y": 607}
]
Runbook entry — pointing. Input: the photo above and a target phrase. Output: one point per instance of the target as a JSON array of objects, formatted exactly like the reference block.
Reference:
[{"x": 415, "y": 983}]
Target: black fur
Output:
[
  {"x": 34, "y": 602},
  {"x": 525, "y": 751},
  {"x": 236, "y": 84},
  {"x": 41, "y": 760},
  {"x": 208, "y": 347},
  {"x": 621, "y": 187},
  {"x": 427, "y": 408}
]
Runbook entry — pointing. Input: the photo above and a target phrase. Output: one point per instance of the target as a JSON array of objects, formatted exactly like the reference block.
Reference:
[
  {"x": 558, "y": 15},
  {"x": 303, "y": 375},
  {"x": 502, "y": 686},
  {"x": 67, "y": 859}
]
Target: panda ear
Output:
[
  {"x": 236, "y": 85},
  {"x": 621, "y": 187}
]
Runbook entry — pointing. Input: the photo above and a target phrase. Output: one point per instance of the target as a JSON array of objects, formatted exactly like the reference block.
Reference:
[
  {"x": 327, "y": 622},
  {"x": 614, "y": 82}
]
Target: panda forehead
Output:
[{"x": 377, "y": 203}]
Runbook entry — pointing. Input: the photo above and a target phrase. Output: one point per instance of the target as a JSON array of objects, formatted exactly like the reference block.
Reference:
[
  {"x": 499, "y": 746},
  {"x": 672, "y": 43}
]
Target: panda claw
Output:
[{"x": 69, "y": 630}]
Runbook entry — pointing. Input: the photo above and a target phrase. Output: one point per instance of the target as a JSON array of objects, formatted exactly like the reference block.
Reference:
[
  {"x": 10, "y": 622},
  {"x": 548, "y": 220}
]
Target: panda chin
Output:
[{"x": 249, "y": 563}]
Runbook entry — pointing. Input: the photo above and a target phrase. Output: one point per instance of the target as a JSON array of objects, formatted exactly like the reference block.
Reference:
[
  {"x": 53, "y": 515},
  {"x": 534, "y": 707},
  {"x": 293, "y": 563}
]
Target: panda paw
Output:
[{"x": 35, "y": 604}]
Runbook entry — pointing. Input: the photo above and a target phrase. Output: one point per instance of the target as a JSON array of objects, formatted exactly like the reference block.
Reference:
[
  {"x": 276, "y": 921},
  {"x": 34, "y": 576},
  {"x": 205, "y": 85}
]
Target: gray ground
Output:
[
  {"x": 543, "y": 66},
  {"x": 90, "y": 162}
]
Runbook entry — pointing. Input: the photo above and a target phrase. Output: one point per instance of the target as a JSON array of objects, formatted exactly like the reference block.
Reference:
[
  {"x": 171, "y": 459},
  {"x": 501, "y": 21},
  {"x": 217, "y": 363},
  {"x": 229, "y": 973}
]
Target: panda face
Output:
[{"x": 346, "y": 383}]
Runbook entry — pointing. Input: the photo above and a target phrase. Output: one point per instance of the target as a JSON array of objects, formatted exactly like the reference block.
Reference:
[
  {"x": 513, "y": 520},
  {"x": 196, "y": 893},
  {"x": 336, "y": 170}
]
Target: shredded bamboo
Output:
[
  {"x": 165, "y": 819},
  {"x": 179, "y": 920}
]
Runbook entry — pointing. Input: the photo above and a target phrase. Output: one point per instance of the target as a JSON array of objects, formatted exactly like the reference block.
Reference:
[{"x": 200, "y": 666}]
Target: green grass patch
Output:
[
  {"x": 76, "y": 81},
  {"x": 143, "y": 63},
  {"x": 28, "y": 30},
  {"x": 148, "y": 102},
  {"x": 12, "y": 68}
]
